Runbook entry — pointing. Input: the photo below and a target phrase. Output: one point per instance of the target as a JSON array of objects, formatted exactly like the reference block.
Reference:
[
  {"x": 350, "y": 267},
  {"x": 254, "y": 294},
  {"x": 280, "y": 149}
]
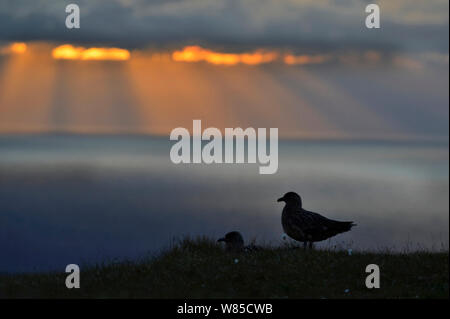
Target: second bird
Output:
[{"x": 306, "y": 226}]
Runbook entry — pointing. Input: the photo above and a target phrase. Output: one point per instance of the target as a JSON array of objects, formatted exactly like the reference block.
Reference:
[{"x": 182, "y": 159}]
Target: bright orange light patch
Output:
[
  {"x": 14, "y": 48},
  {"x": 69, "y": 52},
  {"x": 105, "y": 54},
  {"x": 18, "y": 47},
  {"x": 305, "y": 59},
  {"x": 196, "y": 54}
]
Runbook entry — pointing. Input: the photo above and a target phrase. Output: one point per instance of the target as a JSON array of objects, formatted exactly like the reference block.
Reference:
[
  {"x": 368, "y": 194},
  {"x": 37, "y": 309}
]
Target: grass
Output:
[{"x": 199, "y": 268}]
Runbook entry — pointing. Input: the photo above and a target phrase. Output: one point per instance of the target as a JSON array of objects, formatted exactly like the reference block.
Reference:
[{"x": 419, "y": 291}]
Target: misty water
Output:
[{"x": 86, "y": 199}]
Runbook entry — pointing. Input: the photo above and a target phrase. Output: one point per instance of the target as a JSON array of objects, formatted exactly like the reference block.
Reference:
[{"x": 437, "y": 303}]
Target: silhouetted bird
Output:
[
  {"x": 306, "y": 226},
  {"x": 234, "y": 242}
]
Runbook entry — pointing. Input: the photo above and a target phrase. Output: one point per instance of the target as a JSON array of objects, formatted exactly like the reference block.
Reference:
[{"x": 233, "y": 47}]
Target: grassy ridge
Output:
[{"x": 201, "y": 269}]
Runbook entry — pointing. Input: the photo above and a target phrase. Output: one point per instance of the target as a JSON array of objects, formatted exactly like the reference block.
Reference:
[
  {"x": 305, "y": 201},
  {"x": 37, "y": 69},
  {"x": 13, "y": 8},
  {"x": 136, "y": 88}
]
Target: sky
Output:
[
  {"x": 310, "y": 68},
  {"x": 307, "y": 67},
  {"x": 412, "y": 24}
]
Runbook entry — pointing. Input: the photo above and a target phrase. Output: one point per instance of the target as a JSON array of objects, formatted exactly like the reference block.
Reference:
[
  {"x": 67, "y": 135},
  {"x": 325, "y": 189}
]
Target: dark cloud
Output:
[{"x": 311, "y": 24}]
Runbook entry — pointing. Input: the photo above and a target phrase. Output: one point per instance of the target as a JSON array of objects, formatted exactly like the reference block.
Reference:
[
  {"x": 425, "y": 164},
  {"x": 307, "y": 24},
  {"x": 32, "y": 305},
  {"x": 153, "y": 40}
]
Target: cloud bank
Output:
[{"x": 410, "y": 25}]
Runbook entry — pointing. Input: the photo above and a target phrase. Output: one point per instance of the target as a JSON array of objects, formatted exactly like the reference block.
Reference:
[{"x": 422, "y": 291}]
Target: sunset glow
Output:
[
  {"x": 305, "y": 59},
  {"x": 18, "y": 47},
  {"x": 143, "y": 86},
  {"x": 197, "y": 54},
  {"x": 69, "y": 52},
  {"x": 14, "y": 48}
]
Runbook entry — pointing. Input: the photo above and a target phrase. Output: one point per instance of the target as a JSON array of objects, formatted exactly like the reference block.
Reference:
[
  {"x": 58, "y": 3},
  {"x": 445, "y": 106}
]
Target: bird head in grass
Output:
[
  {"x": 233, "y": 241},
  {"x": 291, "y": 198}
]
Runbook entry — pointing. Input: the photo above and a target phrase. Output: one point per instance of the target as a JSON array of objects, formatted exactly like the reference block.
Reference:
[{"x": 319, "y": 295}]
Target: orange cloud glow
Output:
[
  {"x": 18, "y": 47},
  {"x": 305, "y": 59},
  {"x": 196, "y": 54},
  {"x": 14, "y": 48},
  {"x": 69, "y": 52}
]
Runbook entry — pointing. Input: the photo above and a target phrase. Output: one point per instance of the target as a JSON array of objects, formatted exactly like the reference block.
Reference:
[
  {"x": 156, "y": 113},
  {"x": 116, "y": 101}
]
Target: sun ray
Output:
[{"x": 26, "y": 83}]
